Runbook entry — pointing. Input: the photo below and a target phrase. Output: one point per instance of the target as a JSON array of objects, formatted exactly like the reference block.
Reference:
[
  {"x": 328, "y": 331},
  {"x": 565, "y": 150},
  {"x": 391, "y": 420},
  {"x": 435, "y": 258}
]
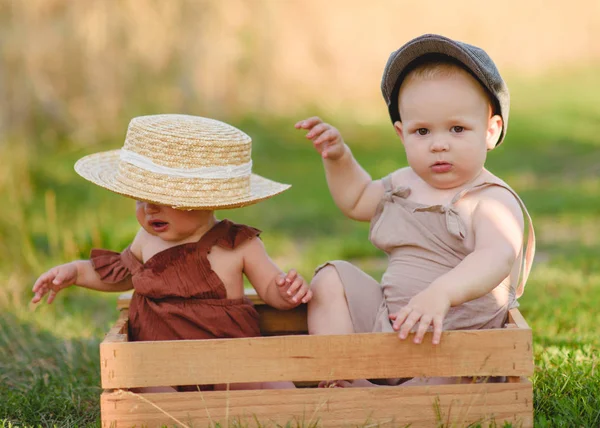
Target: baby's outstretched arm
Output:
[
  {"x": 351, "y": 187},
  {"x": 498, "y": 227},
  {"x": 276, "y": 288},
  {"x": 79, "y": 272}
]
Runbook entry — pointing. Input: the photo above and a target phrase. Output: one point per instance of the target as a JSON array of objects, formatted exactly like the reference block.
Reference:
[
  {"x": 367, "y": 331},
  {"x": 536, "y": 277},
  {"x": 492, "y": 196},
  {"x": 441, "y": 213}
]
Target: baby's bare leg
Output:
[{"x": 328, "y": 311}]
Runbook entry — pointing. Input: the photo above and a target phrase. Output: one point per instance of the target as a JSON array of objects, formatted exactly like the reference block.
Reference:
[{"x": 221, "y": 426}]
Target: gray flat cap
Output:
[{"x": 474, "y": 60}]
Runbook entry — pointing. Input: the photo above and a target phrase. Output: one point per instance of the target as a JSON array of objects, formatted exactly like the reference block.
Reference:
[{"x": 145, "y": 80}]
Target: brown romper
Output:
[
  {"x": 177, "y": 294},
  {"x": 422, "y": 243}
]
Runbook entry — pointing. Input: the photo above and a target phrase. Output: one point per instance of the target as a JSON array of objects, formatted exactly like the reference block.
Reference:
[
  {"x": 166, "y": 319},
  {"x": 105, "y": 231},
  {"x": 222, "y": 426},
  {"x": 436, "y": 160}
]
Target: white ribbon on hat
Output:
[{"x": 209, "y": 172}]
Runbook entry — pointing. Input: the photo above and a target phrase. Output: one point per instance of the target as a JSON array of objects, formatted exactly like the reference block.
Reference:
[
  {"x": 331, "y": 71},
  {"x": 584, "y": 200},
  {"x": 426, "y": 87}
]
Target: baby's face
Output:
[
  {"x": 170, "y": 224},
  {"x": 446, "y": 128}
]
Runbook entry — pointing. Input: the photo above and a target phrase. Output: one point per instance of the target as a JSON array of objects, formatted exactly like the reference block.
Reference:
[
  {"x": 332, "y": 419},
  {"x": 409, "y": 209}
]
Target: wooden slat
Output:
[
  {"x": 496, "y": 352},
  {"x": 118, "y": 332},
  {"x": 277, "y": 322},
  {"x": 515, "y": 316},
  {"x": 124, "y": 300},
  {"x": 417, "y": 406}
]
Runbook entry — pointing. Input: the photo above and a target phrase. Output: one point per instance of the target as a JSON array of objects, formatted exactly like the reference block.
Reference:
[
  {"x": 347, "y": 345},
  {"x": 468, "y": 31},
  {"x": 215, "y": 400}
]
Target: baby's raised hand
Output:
[
  {"x": 426, "y": 308},
  {"x": 327, "y": 140},
  {"x": 53, "y": 281},
  {"x": 293, "y": 288}
]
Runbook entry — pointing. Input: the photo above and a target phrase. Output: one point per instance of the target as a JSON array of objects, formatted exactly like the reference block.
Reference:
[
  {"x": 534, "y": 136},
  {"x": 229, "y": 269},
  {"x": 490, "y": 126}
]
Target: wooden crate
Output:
[{"x": 290, "y": 354}]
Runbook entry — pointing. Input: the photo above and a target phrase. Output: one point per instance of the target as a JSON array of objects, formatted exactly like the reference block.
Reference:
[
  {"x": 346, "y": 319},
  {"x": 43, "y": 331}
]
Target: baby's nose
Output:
[
  {"x": 439, "y": 145},
  {"x": 151, "y": 208}
]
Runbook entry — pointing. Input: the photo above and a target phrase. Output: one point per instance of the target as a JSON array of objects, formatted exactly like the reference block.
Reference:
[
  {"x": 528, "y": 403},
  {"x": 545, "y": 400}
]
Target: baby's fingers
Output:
[
  {"x": 399, "y": 317},
  {"x": 61, "y": 277},
  {"x": 316, "y": 132},
  {"x": 291, "y": 276},
  {"x": 38, "y": 295},
  {"x": 51, "y": 296},
  {"x": 298, "y": 289},
  {"x": 308, "y": 123},
  {"x": 423, "y": 326},
  {"x": 40, "y": 289},
  {"x": 408, "y": 324},
  {"x": 438, "y": 323},
  {"x": 308, "y": 296},
  {"x": 280, "y": 280},
  {"x": 43, "y": 280}
]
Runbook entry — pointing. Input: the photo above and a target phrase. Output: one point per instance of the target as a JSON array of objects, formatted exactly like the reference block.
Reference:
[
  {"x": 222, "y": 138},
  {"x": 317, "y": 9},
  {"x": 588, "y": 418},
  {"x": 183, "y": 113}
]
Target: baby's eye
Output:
[
  {"x": 422, "y": 131},
  {"x": 457, "y": 129}
]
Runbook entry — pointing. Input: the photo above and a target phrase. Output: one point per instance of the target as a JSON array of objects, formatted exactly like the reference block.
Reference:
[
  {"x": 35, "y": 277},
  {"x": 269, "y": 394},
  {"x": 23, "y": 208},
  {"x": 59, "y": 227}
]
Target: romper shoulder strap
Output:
[
  {"x": 387, "y": 183},
  {"x": 529, "y": 251}
]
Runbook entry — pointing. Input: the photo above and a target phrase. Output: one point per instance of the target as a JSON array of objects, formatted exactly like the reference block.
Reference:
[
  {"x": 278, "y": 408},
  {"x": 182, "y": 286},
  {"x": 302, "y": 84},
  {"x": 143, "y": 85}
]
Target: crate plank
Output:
[
  {"x": 515, "y": 316},
  {"x": 118, "y": 332},
  {"x": 417, "y": 406},
  {"x": 277, "y": 322},
  {"x": 308, "y": 358}
]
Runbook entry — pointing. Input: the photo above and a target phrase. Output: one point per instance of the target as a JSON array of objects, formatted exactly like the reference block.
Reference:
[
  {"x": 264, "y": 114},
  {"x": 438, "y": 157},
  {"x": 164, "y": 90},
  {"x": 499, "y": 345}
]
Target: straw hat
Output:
[{"x": 186, "y": 162}]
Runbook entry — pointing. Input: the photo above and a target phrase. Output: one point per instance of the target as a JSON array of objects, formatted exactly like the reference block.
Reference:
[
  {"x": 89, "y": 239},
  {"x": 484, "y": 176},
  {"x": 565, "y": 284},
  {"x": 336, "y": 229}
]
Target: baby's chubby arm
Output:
[
  {"x": 351, "y": 187},
  {"x": 79, "y": 272},
  {"x": 498, "y": 228},
  {"x": 276, "y": 288}
]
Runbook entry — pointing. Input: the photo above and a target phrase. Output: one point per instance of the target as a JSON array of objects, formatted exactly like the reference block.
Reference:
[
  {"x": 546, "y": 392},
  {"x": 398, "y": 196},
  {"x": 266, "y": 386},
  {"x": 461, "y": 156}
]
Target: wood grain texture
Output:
[
  {"x": 515, "y": 316},
  {"x": 495, "y": 352},
  {"x": 419, "y": 406}
]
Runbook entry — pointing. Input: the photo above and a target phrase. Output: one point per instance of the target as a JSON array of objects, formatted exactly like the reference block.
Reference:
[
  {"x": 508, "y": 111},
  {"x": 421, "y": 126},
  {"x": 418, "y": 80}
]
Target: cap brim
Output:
[
  {"x": 101, "y": 169},
  {"x": 428, "y": 44}
]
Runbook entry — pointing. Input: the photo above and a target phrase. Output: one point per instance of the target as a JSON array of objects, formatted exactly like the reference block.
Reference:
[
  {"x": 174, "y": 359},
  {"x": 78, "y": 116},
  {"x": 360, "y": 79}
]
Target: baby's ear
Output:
[
  {"x": 493, "y": 132},
  {"x": 398, "y": 129}
]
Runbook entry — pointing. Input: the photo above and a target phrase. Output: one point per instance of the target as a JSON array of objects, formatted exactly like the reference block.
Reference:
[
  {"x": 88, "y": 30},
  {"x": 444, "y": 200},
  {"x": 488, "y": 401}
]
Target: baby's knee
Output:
[{"x": 327, "y": 282}]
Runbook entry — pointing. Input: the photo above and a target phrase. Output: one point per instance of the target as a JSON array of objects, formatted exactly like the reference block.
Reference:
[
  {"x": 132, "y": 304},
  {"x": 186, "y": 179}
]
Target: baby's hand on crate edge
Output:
[
  {"x": 293, "y": 288},
  {"x": 426, "y": 308},
  {"x": 327, "y": 140},
  {"x": 53, "y": 281}
]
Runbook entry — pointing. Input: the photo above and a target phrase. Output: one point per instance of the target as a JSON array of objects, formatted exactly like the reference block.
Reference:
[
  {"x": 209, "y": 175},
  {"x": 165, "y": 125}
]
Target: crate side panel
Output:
[
  {"x": 419, "y": 406},
  {"x": 312, "y": 358},
  {"x": 277, "y": 322}
]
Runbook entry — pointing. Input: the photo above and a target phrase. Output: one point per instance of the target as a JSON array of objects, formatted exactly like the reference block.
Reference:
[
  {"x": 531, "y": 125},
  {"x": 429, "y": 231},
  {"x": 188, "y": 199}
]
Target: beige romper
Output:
[{"x": 422, "y": 243}]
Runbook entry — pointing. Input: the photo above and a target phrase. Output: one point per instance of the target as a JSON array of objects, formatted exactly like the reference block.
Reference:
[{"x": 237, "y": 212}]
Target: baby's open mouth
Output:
[{"x": 158, "y": 226}]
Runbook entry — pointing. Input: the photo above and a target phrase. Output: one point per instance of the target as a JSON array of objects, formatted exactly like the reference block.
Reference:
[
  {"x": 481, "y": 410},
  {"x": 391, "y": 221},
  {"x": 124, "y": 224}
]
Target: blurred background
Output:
[{"x": 73, "y": 73}]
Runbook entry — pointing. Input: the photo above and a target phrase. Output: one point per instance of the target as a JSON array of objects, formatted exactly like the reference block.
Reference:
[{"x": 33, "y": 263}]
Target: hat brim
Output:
[{"x": 102, "y": 168}]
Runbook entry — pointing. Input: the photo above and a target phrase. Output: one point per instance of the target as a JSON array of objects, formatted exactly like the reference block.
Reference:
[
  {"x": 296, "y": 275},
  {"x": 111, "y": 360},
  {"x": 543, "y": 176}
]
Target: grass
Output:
[{"x": 49, "y": 368}]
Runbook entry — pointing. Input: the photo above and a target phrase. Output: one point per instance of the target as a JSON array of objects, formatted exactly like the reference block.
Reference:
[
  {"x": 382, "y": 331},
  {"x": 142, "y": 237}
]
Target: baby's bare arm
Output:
[
  {"x": 276, "y": 288},
  {"x": 351, "y": 187},
  {"x": 498, "y": 230},
  {"x": 79, "y": 272}
]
